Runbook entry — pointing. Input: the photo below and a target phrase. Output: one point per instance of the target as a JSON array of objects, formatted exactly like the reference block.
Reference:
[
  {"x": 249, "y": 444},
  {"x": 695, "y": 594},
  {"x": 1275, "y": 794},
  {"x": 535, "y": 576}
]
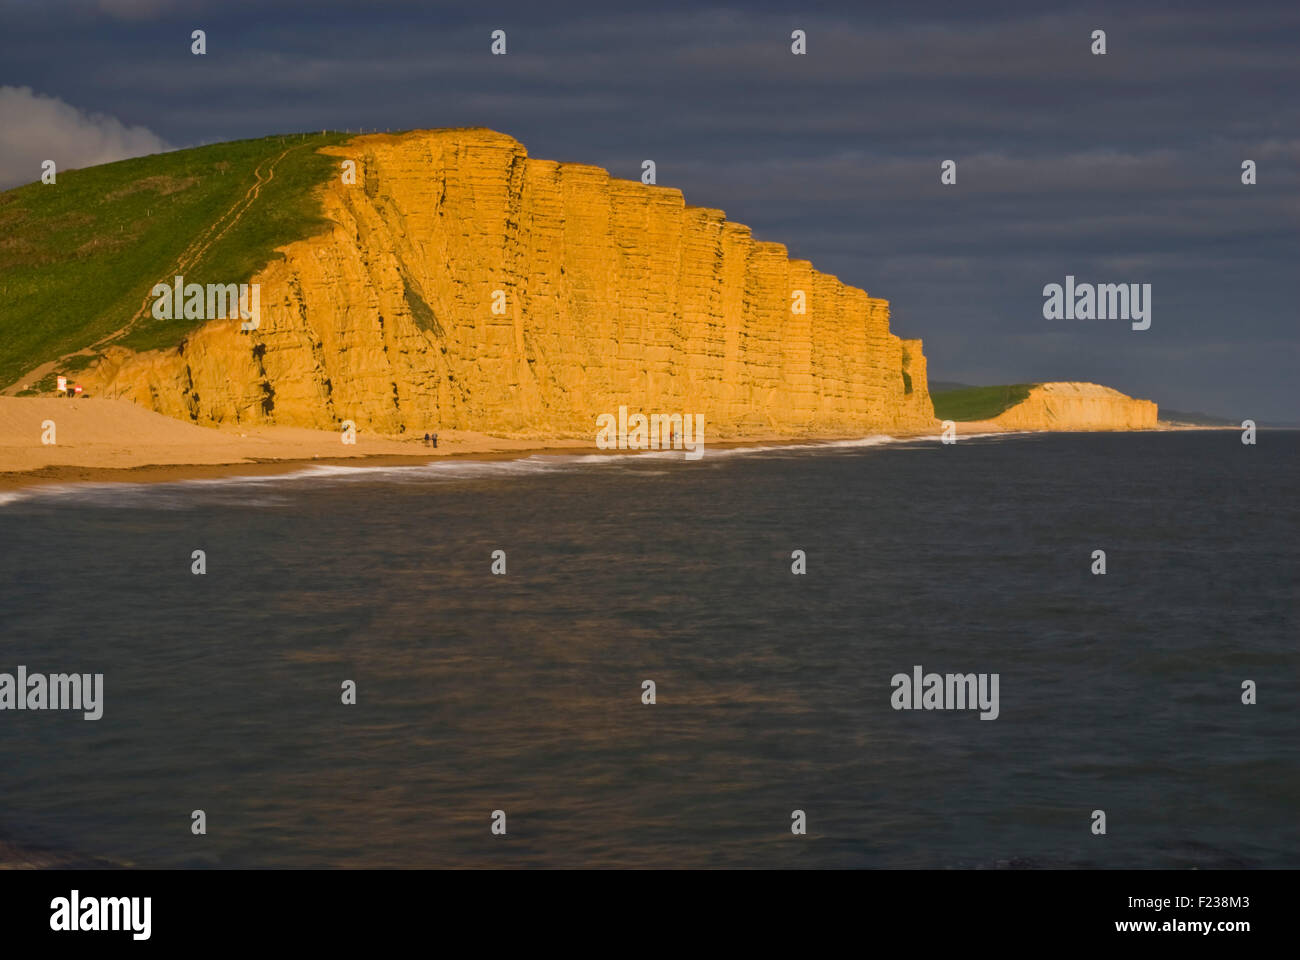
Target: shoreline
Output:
[
  {"x": 57, "y": 474},
  {"x": 481, "y": 450},
  {"x": 101, "y": 441}
]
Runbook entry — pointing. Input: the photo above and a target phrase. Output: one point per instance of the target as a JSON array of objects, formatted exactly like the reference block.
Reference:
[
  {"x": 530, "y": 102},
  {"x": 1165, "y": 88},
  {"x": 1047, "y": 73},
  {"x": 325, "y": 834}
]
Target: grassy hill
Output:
[
  {"x": 78, "y": 258},
  {"x": 978, "y": 403}
]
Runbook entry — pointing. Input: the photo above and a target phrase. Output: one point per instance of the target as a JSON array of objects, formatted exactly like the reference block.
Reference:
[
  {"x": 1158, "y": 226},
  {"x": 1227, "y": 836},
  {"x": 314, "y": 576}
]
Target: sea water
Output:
[{"x": 523, "y": 692}]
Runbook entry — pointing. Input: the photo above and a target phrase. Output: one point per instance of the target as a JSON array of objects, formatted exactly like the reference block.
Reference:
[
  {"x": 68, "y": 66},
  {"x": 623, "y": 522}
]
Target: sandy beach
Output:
[
  {"x": 115, "y": 440},
  {"x": 107, "y": 441}
]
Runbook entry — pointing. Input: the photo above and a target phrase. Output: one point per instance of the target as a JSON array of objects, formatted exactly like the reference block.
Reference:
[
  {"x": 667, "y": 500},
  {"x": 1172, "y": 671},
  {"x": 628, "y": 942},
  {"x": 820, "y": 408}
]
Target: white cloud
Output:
[{"x": 35, "y": 128}]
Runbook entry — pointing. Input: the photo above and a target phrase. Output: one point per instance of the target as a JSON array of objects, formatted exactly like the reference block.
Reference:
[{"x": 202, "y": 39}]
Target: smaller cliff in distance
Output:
[{"x": 1047, "y": 406}]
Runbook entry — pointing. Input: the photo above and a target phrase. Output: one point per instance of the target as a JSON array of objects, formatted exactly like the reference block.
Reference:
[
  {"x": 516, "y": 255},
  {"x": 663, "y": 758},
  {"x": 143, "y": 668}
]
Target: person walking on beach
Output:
[
  {"x": 426, "y": 439},
  {"x": 435, "y": 440}
]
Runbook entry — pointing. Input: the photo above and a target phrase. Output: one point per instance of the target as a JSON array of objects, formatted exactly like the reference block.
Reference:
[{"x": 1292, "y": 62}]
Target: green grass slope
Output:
[
  {"x": 978, "y": 403},
  {"x": 79, "y": 257}
]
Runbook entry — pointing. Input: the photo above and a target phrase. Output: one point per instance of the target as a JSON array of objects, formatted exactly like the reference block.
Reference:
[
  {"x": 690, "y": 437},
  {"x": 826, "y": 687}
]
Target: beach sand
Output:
[
  {"x": 115, "y": 440},
  {"x": 106, "y": 441}
]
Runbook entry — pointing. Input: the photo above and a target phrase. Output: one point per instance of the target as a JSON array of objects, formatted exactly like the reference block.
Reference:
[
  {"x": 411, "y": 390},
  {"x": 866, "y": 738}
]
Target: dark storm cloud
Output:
[{"x": 1123, "y": 168}]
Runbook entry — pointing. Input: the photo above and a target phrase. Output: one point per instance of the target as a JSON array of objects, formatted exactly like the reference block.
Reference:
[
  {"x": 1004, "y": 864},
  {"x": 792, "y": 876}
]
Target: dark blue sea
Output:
[{"x": 523, "y": 692}]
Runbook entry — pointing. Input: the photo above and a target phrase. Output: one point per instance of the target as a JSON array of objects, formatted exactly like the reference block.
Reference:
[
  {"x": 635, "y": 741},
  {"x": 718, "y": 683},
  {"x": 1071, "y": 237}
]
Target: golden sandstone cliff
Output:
[
  {"x": 1078, "y": 406},
  {"x": 611, "y": 293}
]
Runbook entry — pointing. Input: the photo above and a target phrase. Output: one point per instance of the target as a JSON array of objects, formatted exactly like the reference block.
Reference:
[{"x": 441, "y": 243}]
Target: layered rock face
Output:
[
  {"x": 1078, "y": 406},
  {"x": 465, "y": 285}
]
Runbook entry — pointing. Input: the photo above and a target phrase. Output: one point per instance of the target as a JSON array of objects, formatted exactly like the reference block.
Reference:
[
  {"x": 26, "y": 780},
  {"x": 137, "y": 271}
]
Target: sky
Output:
[{"x": 1117, "y": 168}]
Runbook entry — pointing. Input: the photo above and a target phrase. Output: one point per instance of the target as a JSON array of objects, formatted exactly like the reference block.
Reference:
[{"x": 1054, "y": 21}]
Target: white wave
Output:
[{"x": 164, "y": 495}]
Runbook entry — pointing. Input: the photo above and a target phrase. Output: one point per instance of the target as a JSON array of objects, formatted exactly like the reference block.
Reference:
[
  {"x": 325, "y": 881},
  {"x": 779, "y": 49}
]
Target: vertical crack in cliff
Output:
[{"x": 267, "y": 400}]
